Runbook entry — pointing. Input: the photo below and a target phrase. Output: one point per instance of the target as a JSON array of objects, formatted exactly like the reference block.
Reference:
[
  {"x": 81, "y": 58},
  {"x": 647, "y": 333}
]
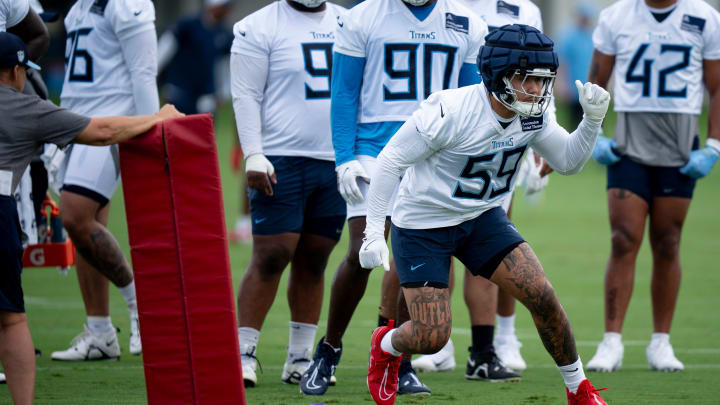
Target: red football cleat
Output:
[
  {"x": 382, "y": 379},
  {"x": 586, "y": 395}
]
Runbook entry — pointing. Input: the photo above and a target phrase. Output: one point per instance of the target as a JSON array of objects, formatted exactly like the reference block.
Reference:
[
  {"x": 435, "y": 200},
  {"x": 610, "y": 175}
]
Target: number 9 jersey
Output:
[
  {"x": 658, "y": 65},
  {"x": 97, "y": 76},
  {"x": 296, "y": 51},
  {"x": 407, "y": 59}
]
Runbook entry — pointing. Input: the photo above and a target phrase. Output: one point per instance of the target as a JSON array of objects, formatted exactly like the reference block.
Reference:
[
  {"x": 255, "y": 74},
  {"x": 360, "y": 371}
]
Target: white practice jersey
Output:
[
  {"x": 12, "y": 12},
  {"x": 476, "y": 163},
  {"x": 658, "y": 65},
  {"x": 497, "y": 13},
  {"x": 97, "y": 79},
  {"x": 407, "y": 59},
  {"x": 296, "y": 102}
]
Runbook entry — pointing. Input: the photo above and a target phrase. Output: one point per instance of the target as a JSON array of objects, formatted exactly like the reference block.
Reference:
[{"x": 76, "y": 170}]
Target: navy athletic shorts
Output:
[
  {"x": 305, "y": 200},
  {"x": 422, "y": 256},
  {"x": 11, "y": 251},
  {"x": 649, "y": 182}
]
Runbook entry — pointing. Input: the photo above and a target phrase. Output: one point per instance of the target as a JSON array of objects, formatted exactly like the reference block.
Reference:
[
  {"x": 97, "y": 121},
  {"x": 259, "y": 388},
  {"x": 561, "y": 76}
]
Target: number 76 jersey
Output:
[
  {"x": 658, "y": 65},
  {"x": 97, "y": 76}
]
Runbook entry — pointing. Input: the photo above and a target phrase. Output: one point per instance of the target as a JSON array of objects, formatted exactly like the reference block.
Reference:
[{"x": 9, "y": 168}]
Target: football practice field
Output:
[{"x": 568, "y": 228}]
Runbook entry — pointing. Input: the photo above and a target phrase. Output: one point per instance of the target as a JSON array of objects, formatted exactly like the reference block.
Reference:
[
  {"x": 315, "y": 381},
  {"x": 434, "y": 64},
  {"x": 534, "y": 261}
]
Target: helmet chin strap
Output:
[
  {"x": 416, "y": 2},
  {"x": 310, "y": 3}
]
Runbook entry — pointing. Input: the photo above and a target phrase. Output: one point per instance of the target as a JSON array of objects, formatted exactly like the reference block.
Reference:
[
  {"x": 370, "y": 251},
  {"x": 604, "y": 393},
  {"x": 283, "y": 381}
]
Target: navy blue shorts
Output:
[
  {"x": 11, "y": 251},
  {"x": 305, "y": 200},
  {"x": 649, "y": 182},
  {"x": 422, "y": 256}
]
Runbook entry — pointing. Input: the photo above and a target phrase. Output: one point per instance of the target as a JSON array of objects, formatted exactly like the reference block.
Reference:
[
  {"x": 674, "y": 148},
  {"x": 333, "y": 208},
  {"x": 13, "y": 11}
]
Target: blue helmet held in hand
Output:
[{"x": 524, "y": 53}]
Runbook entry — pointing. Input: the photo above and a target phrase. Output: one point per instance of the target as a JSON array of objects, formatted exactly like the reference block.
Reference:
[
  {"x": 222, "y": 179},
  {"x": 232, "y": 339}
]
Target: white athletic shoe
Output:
[
  {"x": 249, "y": 365},
  {"x": 444, "y": 360},
  {"x": 608, "y": 357},
  {"x": 3, "y": 380},
  {"x": 508, "y": 350},
  {"x": 135, "y": 342},
  {"x": 88, "y": 346},
  {"x": 661, "y": 357},
  {"x": 295, "y": 366}
]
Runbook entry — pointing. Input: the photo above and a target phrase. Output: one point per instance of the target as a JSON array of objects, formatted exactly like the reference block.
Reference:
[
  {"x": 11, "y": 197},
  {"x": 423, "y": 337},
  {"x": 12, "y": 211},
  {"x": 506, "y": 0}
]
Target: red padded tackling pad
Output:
[{"x": 176, "y": 224}]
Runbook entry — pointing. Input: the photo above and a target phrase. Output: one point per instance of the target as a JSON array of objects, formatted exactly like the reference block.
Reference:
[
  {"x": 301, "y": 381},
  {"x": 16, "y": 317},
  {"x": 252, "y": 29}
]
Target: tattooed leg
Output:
[
  {"x": 521, "y": 275},
  {"x": 80, "y": 216},
  {"x": 628, "y": 214},
  {"x": 430, "y": 321}
]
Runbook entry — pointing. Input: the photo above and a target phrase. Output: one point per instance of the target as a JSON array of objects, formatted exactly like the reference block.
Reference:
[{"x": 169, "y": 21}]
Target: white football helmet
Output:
[{"x": 310, "y": 3}]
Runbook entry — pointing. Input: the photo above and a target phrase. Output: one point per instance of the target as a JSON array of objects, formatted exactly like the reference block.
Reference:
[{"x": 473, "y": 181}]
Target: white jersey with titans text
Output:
[
  {"x": 497, "y": 13},
  {"x": 658, "y": 65},
  {"x": 297, "y": 49},
  {"x": 407, "y": 59},
  {"x": 12, "y": 12},
  {"x": 476, "y": 161},
  {"x": 97, "y": 78}
]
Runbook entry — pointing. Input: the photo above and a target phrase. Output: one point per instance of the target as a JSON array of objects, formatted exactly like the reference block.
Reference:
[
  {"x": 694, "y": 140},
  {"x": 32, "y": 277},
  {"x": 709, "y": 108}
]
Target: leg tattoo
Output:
[
  {"x": 102, "y": 251},
  {"x": 529, "y": 284},
  {"x": 429, "y": 329}
]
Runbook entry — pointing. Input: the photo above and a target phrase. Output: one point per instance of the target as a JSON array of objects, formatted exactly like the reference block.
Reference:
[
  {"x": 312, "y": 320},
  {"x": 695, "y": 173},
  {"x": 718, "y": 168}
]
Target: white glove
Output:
[
  {"x": 374, "y": 252},
  {"x": 347, "y": 177},
  {"x": 259, "y": 163},
  {"x": 594, "y": 100},
  {"x": 533, "y": 182}
]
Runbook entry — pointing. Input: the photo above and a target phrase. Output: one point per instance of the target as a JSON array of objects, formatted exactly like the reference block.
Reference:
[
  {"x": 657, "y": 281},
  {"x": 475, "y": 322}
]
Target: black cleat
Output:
[
  {"x": 485, "y": 365},
  {"x": 409, "y": 383},
  {"x": 320, "y": 374}
]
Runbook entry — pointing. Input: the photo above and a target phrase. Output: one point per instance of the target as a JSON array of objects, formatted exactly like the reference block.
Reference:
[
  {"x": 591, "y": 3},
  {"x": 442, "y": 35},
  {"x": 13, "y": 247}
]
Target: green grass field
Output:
[{"x": 569, "y": 231}]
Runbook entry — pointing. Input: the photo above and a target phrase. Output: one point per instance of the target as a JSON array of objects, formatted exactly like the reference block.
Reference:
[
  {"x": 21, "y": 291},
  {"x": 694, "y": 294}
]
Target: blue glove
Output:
[
  {"x": 603, "y": 152},
  {"x": 700, "y": 163}
]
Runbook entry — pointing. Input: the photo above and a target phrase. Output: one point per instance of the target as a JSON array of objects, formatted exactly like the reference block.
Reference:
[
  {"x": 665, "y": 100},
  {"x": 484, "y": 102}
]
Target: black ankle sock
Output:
[
  {"x": 482, "y": 337},
  {"x": 382, "y": 321}
]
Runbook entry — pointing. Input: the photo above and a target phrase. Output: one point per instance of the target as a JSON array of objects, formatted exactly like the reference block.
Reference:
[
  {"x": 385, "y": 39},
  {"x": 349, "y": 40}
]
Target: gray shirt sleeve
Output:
[{"x": 50, "y": 123}]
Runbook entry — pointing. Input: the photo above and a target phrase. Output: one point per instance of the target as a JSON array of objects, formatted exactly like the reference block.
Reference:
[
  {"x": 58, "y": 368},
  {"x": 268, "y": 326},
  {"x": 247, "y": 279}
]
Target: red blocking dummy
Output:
[{"x": 176, "y": 224}]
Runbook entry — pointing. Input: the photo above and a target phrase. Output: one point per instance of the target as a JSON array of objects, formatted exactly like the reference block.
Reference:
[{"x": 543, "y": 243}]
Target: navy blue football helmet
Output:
[{"x": 519, "y": 52}]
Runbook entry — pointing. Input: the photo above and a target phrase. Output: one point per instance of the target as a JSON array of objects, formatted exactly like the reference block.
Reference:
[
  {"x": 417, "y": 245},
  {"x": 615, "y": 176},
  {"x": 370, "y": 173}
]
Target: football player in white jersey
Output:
[
  {"x": 281, "y": 64},
  {"x": 660, "y": 53},
  {"x": 481, "y": 296},
  {"x": 389, "y": 56},
  {"x": 458, "y": 156},
  {"x": 111, "y": 69}
]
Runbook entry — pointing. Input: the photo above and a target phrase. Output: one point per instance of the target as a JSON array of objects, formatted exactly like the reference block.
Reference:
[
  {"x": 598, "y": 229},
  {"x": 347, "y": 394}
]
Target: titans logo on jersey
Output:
[
  {"x": 406, "y": 58},
  {"x": 659, "y": 65},
  {"x": 477, "y": 160},
  {"x": 298, "y": 51}
]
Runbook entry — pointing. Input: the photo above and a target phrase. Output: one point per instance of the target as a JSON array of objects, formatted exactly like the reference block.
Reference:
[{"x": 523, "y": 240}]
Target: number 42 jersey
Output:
[
  {"x": 97, "y": 77},
  {"x": 658, "y": 65}
]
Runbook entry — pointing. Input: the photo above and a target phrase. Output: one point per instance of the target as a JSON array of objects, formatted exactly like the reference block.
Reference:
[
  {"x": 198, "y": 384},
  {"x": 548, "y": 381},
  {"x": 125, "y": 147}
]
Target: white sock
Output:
[
  {"x": 506, "y": 325},
  {"x": 660, "y": 338},
  {"x": 613, "y": 337},
  {"x": 386, "y": 344},
  {"x": 128, "y": 293},
  {"x": 573, "y": 375},
  {"x": 302, "y": 337},
  {"x": 99, "y": 324}
]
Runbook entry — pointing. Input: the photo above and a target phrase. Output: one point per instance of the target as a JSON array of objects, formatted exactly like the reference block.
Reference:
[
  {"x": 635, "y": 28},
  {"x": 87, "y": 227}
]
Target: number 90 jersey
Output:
[
  {"x": 658, "y": 65},
  {"x": 407, "y": 59},
  {"x": 476, "y": 160},
  {"x": 97, "y": 77}
]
